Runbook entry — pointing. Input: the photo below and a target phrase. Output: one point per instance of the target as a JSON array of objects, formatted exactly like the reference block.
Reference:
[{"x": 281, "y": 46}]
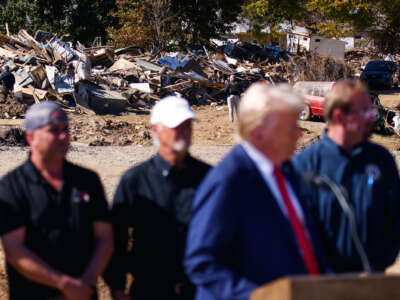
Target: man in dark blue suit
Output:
[{"x": 249, "y": 226}]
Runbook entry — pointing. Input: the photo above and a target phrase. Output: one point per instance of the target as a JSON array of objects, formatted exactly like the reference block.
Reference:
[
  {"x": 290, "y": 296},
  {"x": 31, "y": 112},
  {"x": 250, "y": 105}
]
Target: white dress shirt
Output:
[{"x": 266, "y": 168}]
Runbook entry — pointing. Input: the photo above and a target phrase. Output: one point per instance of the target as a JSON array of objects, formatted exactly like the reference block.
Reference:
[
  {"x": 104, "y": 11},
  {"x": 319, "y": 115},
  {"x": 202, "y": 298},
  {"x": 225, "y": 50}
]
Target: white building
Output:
[
  {"x": 323, "y": 46},
  {"x": 301, "y": 38},
  {"x": 350, "y": 42}
]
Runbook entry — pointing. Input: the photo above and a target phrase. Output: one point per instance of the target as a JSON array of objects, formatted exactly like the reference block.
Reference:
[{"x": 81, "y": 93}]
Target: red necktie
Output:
[{"x": 299, "y": 231}]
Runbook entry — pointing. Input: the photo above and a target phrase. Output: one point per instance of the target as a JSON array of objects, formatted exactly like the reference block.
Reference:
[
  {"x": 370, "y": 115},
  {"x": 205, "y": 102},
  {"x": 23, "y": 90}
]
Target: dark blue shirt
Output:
[
  {"x": 7, "y": 79},
  {"x": 370, "y": 175}
]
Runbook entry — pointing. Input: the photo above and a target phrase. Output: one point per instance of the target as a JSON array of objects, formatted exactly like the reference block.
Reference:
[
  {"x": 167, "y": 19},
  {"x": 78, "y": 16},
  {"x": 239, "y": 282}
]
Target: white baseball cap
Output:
[{"x": 171, "y": 111}]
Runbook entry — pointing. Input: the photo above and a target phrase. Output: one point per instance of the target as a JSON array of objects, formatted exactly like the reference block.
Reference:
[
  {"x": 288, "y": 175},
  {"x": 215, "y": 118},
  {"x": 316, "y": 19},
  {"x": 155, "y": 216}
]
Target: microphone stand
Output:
[{"x": 342, "y": 196}]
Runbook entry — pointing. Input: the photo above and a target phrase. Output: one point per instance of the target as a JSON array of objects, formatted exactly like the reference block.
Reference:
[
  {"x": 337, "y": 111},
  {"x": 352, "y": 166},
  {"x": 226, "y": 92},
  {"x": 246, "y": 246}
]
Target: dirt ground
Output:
[{"x": 111, "y": 144}]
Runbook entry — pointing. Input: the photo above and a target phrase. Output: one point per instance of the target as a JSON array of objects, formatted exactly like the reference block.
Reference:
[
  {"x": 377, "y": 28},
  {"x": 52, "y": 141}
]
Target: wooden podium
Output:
[{"x": 331, "y": 287}]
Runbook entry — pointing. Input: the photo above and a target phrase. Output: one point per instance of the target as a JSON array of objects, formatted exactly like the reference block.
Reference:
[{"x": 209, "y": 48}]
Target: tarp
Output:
[
  {"x": 274, "y": 50},
  {"x": 175, "y": 60}
]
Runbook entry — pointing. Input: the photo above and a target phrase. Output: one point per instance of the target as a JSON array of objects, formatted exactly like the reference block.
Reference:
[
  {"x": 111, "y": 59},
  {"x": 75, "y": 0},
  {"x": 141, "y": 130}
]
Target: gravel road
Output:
[{"x": 110, "y": 162}]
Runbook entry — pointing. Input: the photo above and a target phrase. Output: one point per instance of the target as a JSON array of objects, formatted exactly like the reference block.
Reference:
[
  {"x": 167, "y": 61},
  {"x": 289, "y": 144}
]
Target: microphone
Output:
[
  {"x": 326, "y": 183},
  {"x": 315, "y": 180}
]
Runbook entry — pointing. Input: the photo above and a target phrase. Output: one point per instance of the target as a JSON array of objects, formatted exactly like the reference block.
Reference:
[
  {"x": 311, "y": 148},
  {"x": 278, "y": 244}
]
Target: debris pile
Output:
[
  {"x": 313, "y": 67},
  {"x": 357, "y": 58},
  {"x": 104, "y": 80},
  {"x": 106, "y": 132},
  {"x": 12, "y": 137},
  {"x": 12, "y": 109}
]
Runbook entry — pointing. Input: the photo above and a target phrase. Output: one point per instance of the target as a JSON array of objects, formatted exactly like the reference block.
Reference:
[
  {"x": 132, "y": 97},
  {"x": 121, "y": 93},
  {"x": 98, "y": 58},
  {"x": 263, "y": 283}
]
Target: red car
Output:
[{"x": 314, "y": 94}]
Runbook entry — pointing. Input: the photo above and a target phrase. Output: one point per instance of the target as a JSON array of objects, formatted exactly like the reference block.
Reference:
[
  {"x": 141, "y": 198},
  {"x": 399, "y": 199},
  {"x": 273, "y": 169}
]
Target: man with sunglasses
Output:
[
  {"x": 54, "y": 223},
  {"x": 369, "y": 174}
]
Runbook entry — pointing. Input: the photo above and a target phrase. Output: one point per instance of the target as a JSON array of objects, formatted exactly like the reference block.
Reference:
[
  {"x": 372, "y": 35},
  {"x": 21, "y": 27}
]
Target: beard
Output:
[
  {"x": 179, "y": 146},
  {"x": 156, "y": 143}
]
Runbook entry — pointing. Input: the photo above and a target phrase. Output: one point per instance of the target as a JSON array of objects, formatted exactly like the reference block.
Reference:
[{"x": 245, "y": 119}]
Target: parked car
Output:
[
  {"x": 379, "y": 74},
  {"x": 314, "y": 96}
]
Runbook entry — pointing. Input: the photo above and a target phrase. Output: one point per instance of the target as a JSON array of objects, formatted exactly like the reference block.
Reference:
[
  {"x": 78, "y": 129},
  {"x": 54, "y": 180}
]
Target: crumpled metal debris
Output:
[{"x": 105, "y": 80}]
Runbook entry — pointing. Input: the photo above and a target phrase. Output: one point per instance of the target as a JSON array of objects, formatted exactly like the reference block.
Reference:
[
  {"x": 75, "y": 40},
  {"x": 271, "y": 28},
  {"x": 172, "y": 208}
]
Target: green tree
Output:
[
  {"x": 89, "y": 19},
  {"x": 204, "y": 19},
  {"x": 377, "y": 17},
  {"x": 82, "y": 20},
  {"x": 158, "y": 22},
  {"x": 262, "y": 13},
  {"x": 145, "y": 23},
  {"x": 18, "y": 14},
  {"x": 336, "y": 18}
]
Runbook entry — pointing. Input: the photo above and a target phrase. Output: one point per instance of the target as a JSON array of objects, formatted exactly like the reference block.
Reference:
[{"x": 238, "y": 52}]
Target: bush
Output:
[{"x": 313, "y": 67}]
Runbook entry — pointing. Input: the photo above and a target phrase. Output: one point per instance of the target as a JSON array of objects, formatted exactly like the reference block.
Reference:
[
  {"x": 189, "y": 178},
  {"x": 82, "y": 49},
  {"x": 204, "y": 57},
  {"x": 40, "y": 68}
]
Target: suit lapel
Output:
[{"x": 268, "y": 200}]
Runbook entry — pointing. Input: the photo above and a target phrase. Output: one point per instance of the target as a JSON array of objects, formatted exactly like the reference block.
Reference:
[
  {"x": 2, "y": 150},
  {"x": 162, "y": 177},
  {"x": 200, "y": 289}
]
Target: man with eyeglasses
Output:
[
  {"x": 54, "y": 222},
  {"x": 369, "y": 174}
]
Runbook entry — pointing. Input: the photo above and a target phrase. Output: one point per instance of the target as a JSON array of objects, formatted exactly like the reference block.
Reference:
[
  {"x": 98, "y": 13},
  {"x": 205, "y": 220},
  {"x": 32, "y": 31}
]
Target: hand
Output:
[
  {"x": 120, "y": 295},
  {"x": 75, "y": 289}
]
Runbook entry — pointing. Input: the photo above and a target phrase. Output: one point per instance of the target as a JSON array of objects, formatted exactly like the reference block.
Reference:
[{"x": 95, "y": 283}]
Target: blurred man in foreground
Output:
[
  {"x": 249, "y": 226},
  {"x": 151, "y": 210},
  {"x": 54, "y": 222},
  {"x": 366, "y": 170}
]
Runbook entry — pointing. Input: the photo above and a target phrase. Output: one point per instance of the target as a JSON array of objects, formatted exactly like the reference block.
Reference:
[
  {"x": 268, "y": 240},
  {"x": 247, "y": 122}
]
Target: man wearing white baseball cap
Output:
[{"x": 152, "y": 205}]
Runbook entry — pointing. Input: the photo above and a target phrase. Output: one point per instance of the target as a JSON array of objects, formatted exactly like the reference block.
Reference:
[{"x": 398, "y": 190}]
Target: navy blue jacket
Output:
[
  {"x": 8, "y": 80},
  {"x": 371, "y": 178},
  {"x": 239, "y": 238}
]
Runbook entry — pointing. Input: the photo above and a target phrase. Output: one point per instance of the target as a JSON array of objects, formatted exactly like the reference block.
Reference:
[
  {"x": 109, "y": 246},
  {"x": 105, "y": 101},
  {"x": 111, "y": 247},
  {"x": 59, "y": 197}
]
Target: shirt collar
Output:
[
  {"x": 265, "y": 165},
  {"x": 35, "y": 175},
  {"x": 357, "y": 150},
  {"x": 165, "y": 167},
  {"x": 32, "y": 172}
]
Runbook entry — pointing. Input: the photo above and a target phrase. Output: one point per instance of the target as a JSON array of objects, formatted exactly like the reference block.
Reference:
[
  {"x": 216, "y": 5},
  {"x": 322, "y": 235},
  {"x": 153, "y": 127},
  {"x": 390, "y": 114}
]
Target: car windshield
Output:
[{"x": 378, "y": 66}]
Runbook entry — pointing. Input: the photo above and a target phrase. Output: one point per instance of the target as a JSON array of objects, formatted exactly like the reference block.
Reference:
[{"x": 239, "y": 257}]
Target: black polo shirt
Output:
[
  {"x": 59, "y": 225},
  {"x": 154, "y": 199}
]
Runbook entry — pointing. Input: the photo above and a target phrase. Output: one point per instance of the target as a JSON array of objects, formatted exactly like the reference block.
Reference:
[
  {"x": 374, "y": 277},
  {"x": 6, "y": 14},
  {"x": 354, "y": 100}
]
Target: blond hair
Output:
[
  {"x": 260, "y": 99},
  {"x": 339, "y": 97}
]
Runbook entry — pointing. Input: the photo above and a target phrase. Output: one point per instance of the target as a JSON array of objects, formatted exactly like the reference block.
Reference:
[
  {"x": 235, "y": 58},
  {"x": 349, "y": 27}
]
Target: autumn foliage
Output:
[{"x": 145, "y": 23}]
